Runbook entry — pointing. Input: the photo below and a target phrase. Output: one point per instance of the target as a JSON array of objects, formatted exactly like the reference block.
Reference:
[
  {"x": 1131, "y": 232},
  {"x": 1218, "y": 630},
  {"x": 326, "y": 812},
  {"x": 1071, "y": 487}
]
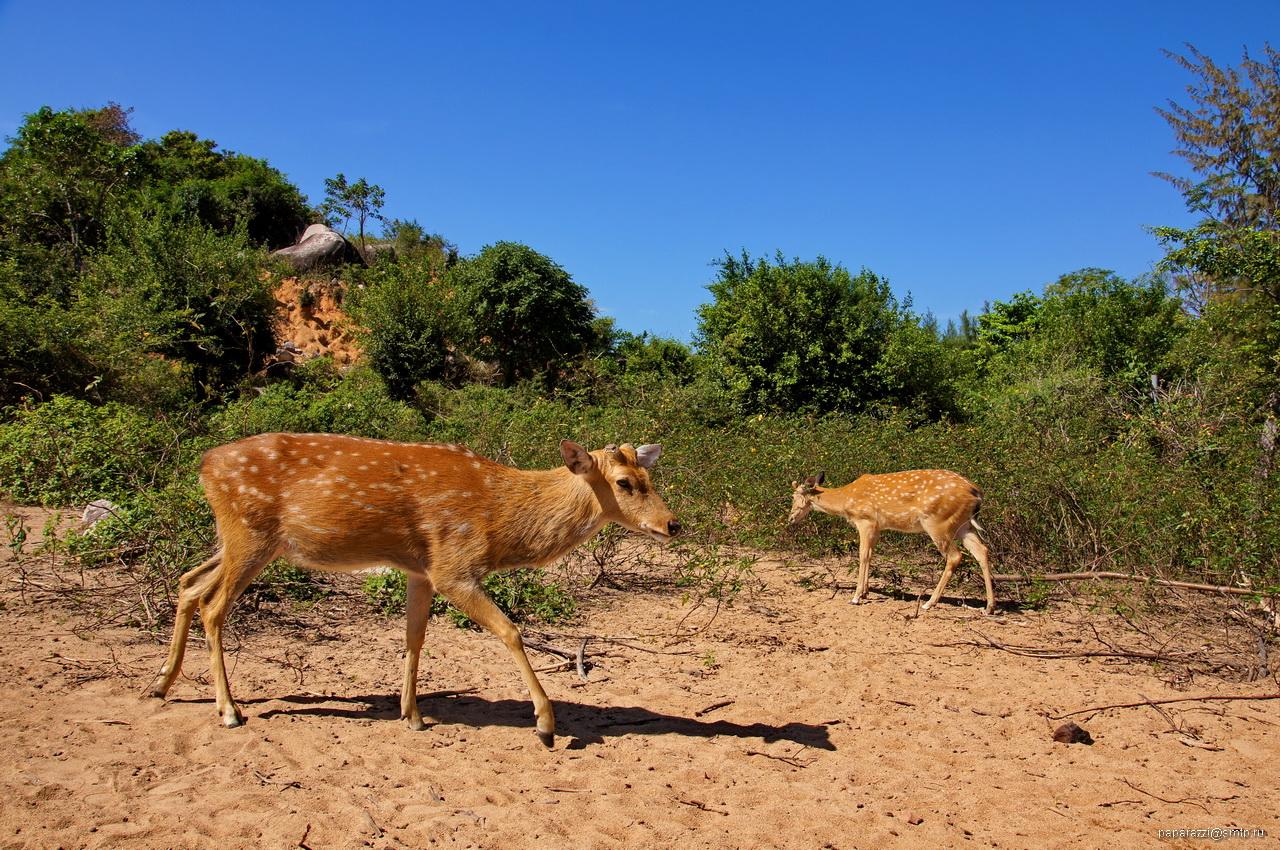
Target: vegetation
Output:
[{"x": 1114, "y": 424}]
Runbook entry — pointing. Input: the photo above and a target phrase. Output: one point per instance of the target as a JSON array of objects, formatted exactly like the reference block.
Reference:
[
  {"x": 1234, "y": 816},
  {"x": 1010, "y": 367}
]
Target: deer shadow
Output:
[{"x": 583, "y": 723}]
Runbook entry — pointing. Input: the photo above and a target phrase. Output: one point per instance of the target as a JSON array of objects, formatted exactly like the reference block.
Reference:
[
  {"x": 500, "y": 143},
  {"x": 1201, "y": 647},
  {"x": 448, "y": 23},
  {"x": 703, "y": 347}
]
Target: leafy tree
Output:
[
  {"x": 412, "y": 324},
  {"x": 171, "y": 306},
  {"x": 526, "y": 312},
  {"x": 223, "y": 189},
  {"x": 361, "y": 200},
  {"x": 1230, "y": 136},
  {"x": 793, "y": 335},
  {"x": 1091, "y": 320},
  {"x": 61, "y": 175},
  {"x": 654, "y": 356},
  {"x": 1228, "y": 266},
  {"x": 412, "y": 242}
]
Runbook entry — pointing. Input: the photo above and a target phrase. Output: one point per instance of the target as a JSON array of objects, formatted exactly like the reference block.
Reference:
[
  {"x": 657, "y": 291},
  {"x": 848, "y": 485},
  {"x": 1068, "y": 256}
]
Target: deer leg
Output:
[
  {"x": 979, "y": 551},
  {"x": 867, "y": 537},
  {"x": 952, "y": 553},
  {"x": 470, "y": 598},
  {"x": 417, "y": 613},
  {"x": 236, "y": 574},
  {"x": 191, "y": 587}
]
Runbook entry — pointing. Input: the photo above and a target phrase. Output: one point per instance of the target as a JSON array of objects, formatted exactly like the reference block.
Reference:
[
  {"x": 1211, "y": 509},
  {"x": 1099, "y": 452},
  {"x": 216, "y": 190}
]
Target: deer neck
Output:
[
  {"x": 826, "y": 502},
  {"x": 550, "y": 513}
]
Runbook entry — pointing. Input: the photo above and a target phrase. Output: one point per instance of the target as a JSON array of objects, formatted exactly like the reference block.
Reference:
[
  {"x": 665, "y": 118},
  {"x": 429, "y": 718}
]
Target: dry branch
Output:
[
  {"x": 1162, "y": 582},
  {"x": 1154, "y": 702}
]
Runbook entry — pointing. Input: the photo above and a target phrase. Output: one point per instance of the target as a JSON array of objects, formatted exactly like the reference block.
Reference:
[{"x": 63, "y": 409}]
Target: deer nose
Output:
[{"x": 673, "y": 527}]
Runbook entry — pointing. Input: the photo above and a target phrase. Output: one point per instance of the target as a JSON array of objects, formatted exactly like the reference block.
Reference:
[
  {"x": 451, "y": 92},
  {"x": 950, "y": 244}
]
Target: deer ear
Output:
[
  {"x": 578, "y": 459},
  {"x": 822, "y": 476},
  {"x": 647, "y": 455}
]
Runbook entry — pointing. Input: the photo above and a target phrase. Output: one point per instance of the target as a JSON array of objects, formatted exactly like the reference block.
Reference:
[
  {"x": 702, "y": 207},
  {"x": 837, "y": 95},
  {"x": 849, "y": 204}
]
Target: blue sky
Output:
[{"x": 963, "y": 151}]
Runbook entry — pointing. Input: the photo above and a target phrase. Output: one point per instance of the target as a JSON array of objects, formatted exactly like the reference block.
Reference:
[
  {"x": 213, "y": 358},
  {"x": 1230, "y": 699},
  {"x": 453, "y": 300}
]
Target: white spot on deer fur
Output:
[
  {"x": 475, "y": 464},
  {"x": 312, "y": 443},
  {"x": 241, "y": 489},
  {"x": 253, "y": 468}
]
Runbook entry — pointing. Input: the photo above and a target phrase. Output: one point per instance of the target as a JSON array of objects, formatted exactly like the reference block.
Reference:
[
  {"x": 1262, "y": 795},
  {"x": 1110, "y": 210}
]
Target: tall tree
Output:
[
  {"x": 1229, "y": 133},
  {"x": 360, "y": 200},
  {"x": 527, "y": 313},
  {"x": 59, "y": 179}
]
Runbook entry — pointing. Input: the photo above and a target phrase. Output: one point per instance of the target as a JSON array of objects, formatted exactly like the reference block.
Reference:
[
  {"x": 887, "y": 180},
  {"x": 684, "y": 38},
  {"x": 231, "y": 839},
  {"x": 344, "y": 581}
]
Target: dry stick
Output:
[
  {"x": 794, "y": 761},
  {"x": 1154, "y": 702},
  {"x": 581, "y": 660},
  {"x": 1162, "y": 799},
  {"x": 1185, "y": 585},
  {"x": 714, "y": 706},
  {"x": 1038, "y": 652}
]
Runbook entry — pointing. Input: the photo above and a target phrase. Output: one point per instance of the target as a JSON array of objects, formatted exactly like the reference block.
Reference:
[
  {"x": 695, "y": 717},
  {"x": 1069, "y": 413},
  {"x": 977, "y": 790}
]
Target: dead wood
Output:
[
  {"x": 1162, "y": 582},
  {"x": 1154, "y": 702}
]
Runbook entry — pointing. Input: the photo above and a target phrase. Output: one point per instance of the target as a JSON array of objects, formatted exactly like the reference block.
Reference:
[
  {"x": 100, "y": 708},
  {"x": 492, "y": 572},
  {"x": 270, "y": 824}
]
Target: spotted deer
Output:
[
  {"x": 936, "y": 502},
  {"x": 442, "y": 514}
]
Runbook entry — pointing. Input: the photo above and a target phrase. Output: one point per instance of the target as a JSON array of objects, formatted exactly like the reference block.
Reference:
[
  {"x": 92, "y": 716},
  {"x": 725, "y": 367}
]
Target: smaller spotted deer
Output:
[{"x": 935, "y": 502}]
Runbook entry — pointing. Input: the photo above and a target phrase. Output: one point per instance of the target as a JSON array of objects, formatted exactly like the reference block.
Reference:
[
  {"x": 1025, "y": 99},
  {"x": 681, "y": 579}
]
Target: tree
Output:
[
  {"x": 412, "y": 323},
  {"x": 527, "y": 313},
  {"x": 60, "y": 177},
  {"x": 1230, "y": 135},
  {"x": 188, "y": 175},
  {"x": 362, "y": 200},
  {"x": 793, "y": 335}
]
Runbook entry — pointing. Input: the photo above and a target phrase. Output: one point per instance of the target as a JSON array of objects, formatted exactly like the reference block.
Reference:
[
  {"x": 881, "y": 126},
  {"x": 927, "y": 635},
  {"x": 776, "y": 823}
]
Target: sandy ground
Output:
[{"x": 794, "y": 720}]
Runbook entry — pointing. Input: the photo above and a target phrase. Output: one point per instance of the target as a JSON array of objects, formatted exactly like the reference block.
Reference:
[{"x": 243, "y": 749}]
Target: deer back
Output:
[{"x": 902, "y": 501}]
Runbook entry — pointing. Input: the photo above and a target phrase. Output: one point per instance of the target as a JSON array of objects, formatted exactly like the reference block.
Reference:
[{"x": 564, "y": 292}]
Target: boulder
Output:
[{"x": 320, "y": 246}]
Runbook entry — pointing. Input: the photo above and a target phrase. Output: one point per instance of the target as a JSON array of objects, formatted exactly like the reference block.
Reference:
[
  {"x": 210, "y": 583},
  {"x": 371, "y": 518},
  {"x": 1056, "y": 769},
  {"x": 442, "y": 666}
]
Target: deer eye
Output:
[{"x": 624, "y": 485}]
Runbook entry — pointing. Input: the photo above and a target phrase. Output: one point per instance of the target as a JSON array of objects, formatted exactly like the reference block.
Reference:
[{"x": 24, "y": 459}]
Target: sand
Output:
[{"x": 794, "y": 720}]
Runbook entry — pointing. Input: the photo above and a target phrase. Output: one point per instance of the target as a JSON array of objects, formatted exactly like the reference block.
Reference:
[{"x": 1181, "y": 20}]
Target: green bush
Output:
[
  {"x": 523, "y": 595},
  {"x": 320, "y": 399},
  {"x": 68, "y": 452}
]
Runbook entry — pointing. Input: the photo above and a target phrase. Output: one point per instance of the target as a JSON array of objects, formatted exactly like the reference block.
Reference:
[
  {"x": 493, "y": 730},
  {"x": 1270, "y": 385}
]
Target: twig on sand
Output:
[
  {"x": 1165, "y": 800},
  {"x": 698, "y": 804},
  {"x": 581, "y": 659},
  {"x": 1047, "y": 652},
  {"x": 1085, "y": 576},
  {"x": 302, "y": 842},
  {"x": 794, "y": 760},
  {"x": 1154, "y": 702},
  {"x": 714, "y": 706},
  {"x": 284, "y": 783}
]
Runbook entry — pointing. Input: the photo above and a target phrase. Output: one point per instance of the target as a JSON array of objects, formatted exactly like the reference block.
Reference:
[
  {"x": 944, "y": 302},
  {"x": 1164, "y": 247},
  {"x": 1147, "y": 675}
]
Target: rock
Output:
[
  {"x": 96, "y": 511},
  {"x": 914, "y": 819},
  {"x": 1070, "y": 733},
  {"x": 319, "y": 246}
]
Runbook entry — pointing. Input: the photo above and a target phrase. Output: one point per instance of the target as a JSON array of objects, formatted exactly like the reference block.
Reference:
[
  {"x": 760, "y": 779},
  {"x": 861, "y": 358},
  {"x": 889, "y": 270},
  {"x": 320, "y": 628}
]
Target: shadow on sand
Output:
[{"x": 585, "y": 724}]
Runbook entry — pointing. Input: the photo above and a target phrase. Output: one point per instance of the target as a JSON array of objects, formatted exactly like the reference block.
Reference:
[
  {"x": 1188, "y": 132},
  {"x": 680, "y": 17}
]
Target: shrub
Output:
[
  {"x": 67, "y": 451},
  {"x": 322, "y": 400},
  {"x": 523, "y": 595}
]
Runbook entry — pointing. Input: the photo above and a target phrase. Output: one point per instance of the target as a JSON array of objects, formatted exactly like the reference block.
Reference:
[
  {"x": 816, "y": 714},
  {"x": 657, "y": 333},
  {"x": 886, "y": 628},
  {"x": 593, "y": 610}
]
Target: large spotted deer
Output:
[
  {"x": 936, "y": 502},
  {"x": 443, "y": 515}
]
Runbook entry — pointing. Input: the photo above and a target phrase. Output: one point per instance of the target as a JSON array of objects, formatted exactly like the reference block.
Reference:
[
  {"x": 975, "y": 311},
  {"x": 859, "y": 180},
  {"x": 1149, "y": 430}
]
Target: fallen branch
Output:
[
  {"x": 794, "y": 761},
  {"x": 581, "y": 660},
  {"x": 1163, "y": 799},
  {"x": 1162, "y": 582},
  {"x": 714, "y": 706},
  {"x": 1042, "y": 652},
  {"x": 1155, "y": 702},
  {"x": 698, "y": 804}
]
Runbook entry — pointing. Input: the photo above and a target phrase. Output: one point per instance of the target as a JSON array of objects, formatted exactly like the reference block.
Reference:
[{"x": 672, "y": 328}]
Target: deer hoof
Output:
[
  {"x": 548, "y": 739},
  {"x": 925, "y": 606},
  {"x": 415, "y": 723},
  {"x": 233, "y": 721}
]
